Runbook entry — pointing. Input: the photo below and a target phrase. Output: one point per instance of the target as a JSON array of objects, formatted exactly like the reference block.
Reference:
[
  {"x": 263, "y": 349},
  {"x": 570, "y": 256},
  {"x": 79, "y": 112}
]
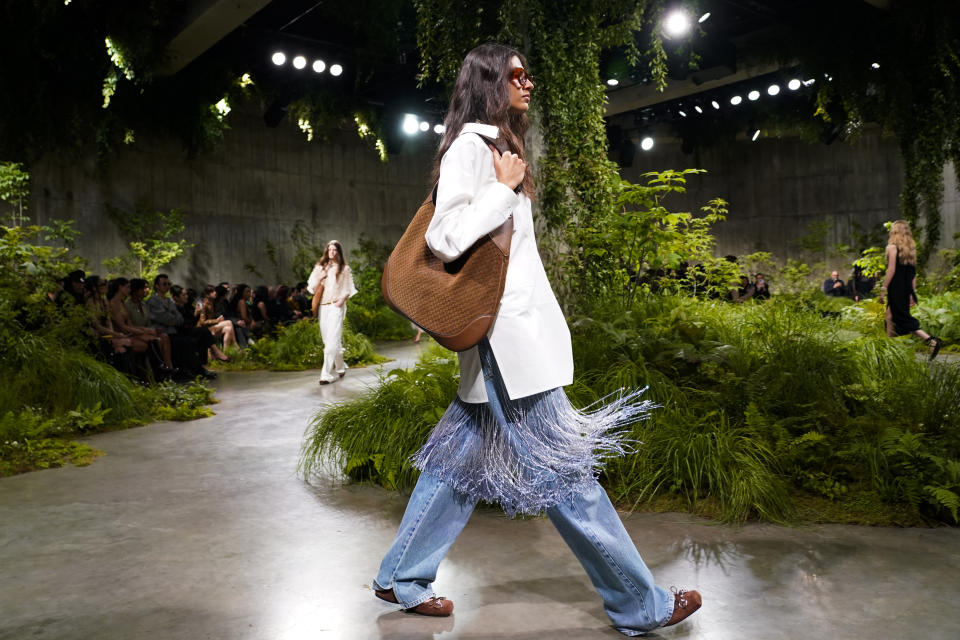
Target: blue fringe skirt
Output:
[{"x": 530, "y": 453}]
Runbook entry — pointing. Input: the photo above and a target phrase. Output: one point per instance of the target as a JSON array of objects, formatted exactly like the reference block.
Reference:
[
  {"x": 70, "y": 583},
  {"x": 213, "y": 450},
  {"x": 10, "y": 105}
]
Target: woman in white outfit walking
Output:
[{"x": 334, "y": 275}]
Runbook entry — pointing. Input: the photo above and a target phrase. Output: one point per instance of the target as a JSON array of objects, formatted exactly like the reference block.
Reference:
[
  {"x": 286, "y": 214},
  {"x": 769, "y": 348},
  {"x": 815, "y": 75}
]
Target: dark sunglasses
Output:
[{"x": 521, "y": 77}]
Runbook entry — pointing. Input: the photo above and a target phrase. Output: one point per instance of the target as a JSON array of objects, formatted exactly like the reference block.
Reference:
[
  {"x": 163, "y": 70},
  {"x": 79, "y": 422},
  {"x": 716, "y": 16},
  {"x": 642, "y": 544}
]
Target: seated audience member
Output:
[
  {"x": 258, "y": 311},
  {"x": 280, "y": 308},
  {"x": 239, "y": 311},
  {"x": 186, "y": 301},
  {"x": 221, "y": 301},
  {"x": 118, "y": 290},
  {"x": 219, "y": 326},
  {"x": 833, "y": 286},
  {"x": 72, "y": 289},
  {"x": 299, "y": 301},
  {"x": 138, "y": 316},
  {"x": 110, "y": 342},
  {"x": 761, "y": 288},
  {"x": 860, "y": 285},
  {"x": 744, "y": 292},
  {"x": 189, "y": 345}
]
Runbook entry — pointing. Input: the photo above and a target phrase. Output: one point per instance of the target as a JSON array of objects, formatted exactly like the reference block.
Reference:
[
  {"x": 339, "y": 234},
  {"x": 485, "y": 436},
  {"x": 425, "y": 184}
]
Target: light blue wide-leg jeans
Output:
[{"x": 588, "y": 523}]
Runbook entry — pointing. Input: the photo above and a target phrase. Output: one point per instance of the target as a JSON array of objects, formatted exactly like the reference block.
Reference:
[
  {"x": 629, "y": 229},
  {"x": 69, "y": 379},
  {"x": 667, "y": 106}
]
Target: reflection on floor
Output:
[{"x": 203, "y": 530}]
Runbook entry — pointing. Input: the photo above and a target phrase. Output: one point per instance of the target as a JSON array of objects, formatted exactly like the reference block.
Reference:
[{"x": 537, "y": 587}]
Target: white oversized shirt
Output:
[{"x": 529, "y": 338}]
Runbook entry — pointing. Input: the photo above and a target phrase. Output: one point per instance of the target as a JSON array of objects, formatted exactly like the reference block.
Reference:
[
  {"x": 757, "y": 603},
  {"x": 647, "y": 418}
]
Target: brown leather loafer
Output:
[
  {"x": 436, "y": 606},
  {"x": 684, "y": 604}
]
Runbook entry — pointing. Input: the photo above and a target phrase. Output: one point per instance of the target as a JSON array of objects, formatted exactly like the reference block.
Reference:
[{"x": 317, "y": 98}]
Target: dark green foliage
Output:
[
  {"x": 765, "y": 409},
  {"x": 367, "y": 313},
  {"x": 373, "y": 437},
  {"x": 764, "y": 400}
]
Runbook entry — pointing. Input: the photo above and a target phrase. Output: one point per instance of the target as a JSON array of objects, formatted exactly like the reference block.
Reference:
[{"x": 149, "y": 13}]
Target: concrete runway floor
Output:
[{"x": 201, "y": 530}]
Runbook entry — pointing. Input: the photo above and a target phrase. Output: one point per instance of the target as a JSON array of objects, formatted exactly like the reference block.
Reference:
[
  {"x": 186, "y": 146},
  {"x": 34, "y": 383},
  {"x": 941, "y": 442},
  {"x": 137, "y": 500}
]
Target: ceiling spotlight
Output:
[
  {"x": 756, "y": 134},
  {"x": 704, "y": 17},
  {"x": 753, "y": 96},
  {"x": 647, "y": 143},
  {"x": 299, "y": 62},
  {"x": 319, "y": 66},
  {"x": 335, "y": 70},
  {"x": 773, "y": 89},
  {"x": 278, "y": 58},
  {"x": 424, "y": 126},
  {"x": 875, "y": 65},
  {"x": 683, "y": 114},
  {"x": 794, "y": 84},
  {"x": 697, "y": 108},
  {"x": 715, "y": 104},
  {"x": 735, "y": 100},
  {"x": 613, "y": 82},
  {"x": 410, "y": 124},
  {"x": 439, "y": 128},
  {"x": 809, "y": 82},
  {"x": 828, "y": 77},
  {"x": 677, "y": 23}
]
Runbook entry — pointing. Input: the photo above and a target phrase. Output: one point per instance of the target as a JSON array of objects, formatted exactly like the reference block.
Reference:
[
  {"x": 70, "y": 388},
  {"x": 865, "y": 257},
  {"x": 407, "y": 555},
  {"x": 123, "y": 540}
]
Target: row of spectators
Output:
[
  {"x": 857, "y": 287},
  {"x": 168, "y": 331}
]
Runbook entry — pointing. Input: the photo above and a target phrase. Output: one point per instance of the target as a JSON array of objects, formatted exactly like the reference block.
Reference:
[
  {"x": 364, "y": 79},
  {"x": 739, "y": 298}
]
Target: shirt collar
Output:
[{"x": 486, "y": 130}]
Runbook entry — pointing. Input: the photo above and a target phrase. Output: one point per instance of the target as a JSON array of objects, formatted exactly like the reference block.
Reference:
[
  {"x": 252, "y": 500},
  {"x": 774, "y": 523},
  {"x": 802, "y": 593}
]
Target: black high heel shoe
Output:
[{"x": 937, "y": 343}]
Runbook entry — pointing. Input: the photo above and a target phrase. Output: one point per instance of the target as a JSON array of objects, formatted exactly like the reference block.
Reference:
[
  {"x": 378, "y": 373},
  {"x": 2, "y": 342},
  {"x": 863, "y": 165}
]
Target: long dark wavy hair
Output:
[
  {"x": 341, "y": 259},
  {"x": 481, "y": 94}
]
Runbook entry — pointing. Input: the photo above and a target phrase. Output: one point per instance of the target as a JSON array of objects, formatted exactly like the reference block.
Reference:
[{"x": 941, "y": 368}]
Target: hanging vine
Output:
[{"x": 576, "y": 182}]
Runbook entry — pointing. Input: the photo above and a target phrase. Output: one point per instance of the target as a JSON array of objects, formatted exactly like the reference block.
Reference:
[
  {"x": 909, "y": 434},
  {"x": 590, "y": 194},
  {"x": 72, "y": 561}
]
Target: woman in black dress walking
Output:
[{"x": 900, "y": 285}]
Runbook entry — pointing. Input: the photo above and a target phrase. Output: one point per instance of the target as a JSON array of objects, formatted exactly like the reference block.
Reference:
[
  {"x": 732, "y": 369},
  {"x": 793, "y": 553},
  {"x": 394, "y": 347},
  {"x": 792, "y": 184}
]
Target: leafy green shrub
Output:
[
  {"x": 180, "y": 402},
  {"x": 367, "y": 313},
  {"x": 372, "y": 437},
  {"x": 297, "y": 347},
  {"x": 939, "y": 315}
]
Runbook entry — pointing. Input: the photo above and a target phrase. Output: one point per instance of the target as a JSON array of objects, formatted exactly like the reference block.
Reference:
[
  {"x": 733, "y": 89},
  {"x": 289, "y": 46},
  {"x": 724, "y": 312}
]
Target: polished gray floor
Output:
[{"x": 203, "y": 530}]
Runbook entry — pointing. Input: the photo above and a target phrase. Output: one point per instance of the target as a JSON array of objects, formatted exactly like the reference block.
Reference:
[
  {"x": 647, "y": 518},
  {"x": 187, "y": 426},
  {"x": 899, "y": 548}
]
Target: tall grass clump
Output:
[{"x": 373, "y": 437}]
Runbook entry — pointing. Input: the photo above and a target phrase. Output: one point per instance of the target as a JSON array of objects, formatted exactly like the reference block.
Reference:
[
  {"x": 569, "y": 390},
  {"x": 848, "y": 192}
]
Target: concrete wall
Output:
[
  {"x": 253, "y": 189},
  {"x": 777, "y": 188},
  {"x": 261, "y": 181}
]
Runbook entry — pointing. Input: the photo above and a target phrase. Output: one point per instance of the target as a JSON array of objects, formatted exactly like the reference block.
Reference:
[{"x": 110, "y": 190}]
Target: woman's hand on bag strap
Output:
[{"x": 509, "y": 167}]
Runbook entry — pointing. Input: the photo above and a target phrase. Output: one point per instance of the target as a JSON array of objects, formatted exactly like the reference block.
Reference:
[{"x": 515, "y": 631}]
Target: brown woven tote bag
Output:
[{"x": 454, "y": 302}]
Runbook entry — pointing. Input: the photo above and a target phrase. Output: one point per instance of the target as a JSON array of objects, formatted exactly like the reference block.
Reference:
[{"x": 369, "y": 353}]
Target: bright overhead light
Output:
[
  {"x": 424, "y": 126},
  {"x": 647, "y": 143},
  {"x": 794, "y": 84},
  {"x": 677, "y": 23},
  {"x": 875, "y": 65},
  {"x": 773, "y": 89},
  {"x": 753, "y": 95},
  {"x": 613, "y": 82},
  {"x": 335, "y": 70},
  {"x": 299, "y": 62},
  {"x": 683, "y": 114},
  {"x": 439, "y": 128},
  {"x": 704, "y": 17},
  {"x": 319, "y": 66},
  {"x": 410, "y": 124},
  {"x": 756, "y": 134},
  {"x": 809, "y": 82},
  {"x": 697, "y": 108},
  {"x": 735, "y": 100},
  {"x": 278, "y": 58},
  {"x": 714, "y": 104}
]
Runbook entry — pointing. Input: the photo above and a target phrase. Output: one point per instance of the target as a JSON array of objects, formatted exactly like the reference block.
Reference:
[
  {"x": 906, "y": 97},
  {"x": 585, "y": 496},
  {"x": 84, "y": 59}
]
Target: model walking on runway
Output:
[{"x": 511, "y": 436}]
